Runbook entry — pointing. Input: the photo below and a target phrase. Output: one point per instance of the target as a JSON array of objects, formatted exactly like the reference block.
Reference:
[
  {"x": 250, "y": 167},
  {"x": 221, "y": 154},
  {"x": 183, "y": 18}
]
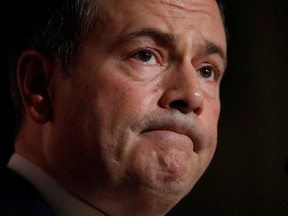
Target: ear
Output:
[{"x": 34, "y": 76}]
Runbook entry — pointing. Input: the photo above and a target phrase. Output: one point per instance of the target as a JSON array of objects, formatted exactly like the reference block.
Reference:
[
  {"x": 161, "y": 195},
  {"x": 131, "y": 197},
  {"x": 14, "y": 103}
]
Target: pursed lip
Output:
[
  {"x": 171, "y": 121},
  {"x": 168, "y": 137},
  {"x": 167, "y": 132},
  {"x": 167, "y": 129}
]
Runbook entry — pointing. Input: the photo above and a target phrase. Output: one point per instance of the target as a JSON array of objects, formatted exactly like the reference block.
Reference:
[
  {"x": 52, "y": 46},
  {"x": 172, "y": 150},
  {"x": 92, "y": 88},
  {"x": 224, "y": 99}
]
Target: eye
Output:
[
  {"x": 207, "y": 72},
  {"x": 145, "y": 56}
]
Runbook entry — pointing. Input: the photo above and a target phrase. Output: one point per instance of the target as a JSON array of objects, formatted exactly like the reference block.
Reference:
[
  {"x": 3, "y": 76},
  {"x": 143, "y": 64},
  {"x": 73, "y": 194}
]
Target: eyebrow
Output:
[
  {"x": 162, "y": 38},
  {"x": 211, "y": 48},
  {"x": 167, "y": 39},
  {"x": 159, "y": 36}
]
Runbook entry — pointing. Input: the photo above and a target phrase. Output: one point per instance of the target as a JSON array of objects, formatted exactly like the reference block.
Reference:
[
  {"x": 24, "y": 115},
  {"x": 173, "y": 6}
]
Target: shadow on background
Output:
[{"x": 248, "y": 175}]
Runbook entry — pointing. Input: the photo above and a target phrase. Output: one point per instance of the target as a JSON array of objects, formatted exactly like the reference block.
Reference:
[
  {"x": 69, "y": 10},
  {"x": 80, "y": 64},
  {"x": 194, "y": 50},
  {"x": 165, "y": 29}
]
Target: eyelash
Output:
[
  {"x": 214, "y": 70},
  {"x": 154, "y": 53}
]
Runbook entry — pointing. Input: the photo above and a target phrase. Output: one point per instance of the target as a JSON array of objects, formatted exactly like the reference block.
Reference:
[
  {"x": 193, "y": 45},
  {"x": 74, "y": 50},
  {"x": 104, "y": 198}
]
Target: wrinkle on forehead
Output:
[
  {"x": 190, "y": 16},
  {"x": 175, "y": 8},
  {"x": 175, "y": 3},
  {"x": 186, "y": 8},
  {"x": 189, "y": 5}
]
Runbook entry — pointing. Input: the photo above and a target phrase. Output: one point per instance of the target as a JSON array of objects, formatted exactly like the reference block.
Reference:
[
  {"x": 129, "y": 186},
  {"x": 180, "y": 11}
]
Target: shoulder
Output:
[
  {"x": 23, "y": 206},
  {"x": 18, "y": 197}
]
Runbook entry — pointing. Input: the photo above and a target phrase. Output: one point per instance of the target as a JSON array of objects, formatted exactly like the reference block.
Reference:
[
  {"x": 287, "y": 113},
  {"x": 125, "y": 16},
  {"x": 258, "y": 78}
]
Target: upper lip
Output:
[{"x": 174, "y": 121}]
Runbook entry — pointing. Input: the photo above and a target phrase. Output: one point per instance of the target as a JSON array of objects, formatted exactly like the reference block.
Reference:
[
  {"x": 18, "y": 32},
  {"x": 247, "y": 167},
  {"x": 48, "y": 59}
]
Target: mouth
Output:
[
  {"x": 169, "y": 127},
  {"x": 164, "y": 130},
  {"x": 168, "y": 137}
]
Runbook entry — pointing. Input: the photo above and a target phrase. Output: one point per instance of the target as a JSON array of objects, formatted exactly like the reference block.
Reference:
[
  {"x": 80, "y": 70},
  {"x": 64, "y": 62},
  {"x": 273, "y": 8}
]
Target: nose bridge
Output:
[
  {"x": 187, "y": 81},
  {"x": 183, "y": 90}
]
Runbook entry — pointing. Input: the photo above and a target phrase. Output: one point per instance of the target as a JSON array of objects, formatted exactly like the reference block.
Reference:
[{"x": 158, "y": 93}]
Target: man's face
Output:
[{"x": 139, "y": 117}]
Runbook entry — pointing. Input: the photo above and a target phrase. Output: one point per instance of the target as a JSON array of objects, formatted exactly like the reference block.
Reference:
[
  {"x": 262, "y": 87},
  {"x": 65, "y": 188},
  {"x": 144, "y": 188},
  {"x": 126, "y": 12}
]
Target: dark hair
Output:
[
  {"x": 223, "y": 8},
  {"x": 55, "y": 28}
]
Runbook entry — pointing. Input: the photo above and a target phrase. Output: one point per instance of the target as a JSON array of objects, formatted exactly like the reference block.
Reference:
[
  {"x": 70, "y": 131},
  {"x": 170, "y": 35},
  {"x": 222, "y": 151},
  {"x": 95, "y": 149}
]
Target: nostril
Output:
[
  {"x": 184, "y": 107},
  {"x": 178, "y": 104},
  {"x": 197, "y": 111}
]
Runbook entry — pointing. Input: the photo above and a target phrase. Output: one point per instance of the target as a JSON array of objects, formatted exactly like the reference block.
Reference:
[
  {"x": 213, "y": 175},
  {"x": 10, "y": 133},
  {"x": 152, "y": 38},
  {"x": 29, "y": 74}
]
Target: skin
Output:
[{"x": 135, "y": 127}]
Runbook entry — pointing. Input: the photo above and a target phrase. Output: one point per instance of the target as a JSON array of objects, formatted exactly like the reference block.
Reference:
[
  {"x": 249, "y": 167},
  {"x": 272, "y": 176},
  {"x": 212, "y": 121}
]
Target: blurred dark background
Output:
[{"x": 248, "y": 175}]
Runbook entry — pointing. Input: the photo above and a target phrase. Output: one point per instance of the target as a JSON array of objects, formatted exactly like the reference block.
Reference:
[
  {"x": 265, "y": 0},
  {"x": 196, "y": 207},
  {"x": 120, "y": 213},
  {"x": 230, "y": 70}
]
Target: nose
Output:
[{"x": 183, "y": 91}]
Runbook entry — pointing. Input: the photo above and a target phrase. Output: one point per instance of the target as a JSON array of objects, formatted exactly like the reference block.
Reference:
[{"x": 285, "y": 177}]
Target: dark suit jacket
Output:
[{"x": 19, "y": 198}]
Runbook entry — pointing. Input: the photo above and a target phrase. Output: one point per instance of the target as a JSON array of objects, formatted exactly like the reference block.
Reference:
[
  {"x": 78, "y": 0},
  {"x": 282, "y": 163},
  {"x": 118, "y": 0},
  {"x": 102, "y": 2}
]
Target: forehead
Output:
[
  {"x": 180, "y": 17},
  {"x": 163, "y": 7}
]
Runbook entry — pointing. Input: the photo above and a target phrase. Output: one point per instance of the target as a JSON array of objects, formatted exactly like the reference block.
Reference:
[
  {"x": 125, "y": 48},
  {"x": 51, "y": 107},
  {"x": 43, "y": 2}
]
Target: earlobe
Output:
[{"x": 34, "y": 76}]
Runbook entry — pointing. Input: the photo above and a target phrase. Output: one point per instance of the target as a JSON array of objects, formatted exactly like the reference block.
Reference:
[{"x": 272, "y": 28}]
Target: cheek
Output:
[
  {"x": 209, "y": 120},
  {"x": 116, "y": 106},
  {"x": 126, "y": 98},
  {"x": 212, "y": 111}
]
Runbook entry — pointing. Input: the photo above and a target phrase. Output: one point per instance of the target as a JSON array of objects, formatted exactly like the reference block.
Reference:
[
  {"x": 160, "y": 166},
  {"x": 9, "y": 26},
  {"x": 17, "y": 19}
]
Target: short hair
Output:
[
  {"x": 55, "y": 28},
  {"x": 222, "y": 8}
]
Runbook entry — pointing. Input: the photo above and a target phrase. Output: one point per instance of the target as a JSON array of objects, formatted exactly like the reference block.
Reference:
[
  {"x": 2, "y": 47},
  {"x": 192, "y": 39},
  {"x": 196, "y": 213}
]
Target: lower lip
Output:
[{"x": 168, "y": 137}]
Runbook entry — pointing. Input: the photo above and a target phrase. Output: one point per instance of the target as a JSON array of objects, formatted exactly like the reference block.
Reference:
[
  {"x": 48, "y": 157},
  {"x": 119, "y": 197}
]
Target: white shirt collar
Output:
[{"x": 62, "y": 201}]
